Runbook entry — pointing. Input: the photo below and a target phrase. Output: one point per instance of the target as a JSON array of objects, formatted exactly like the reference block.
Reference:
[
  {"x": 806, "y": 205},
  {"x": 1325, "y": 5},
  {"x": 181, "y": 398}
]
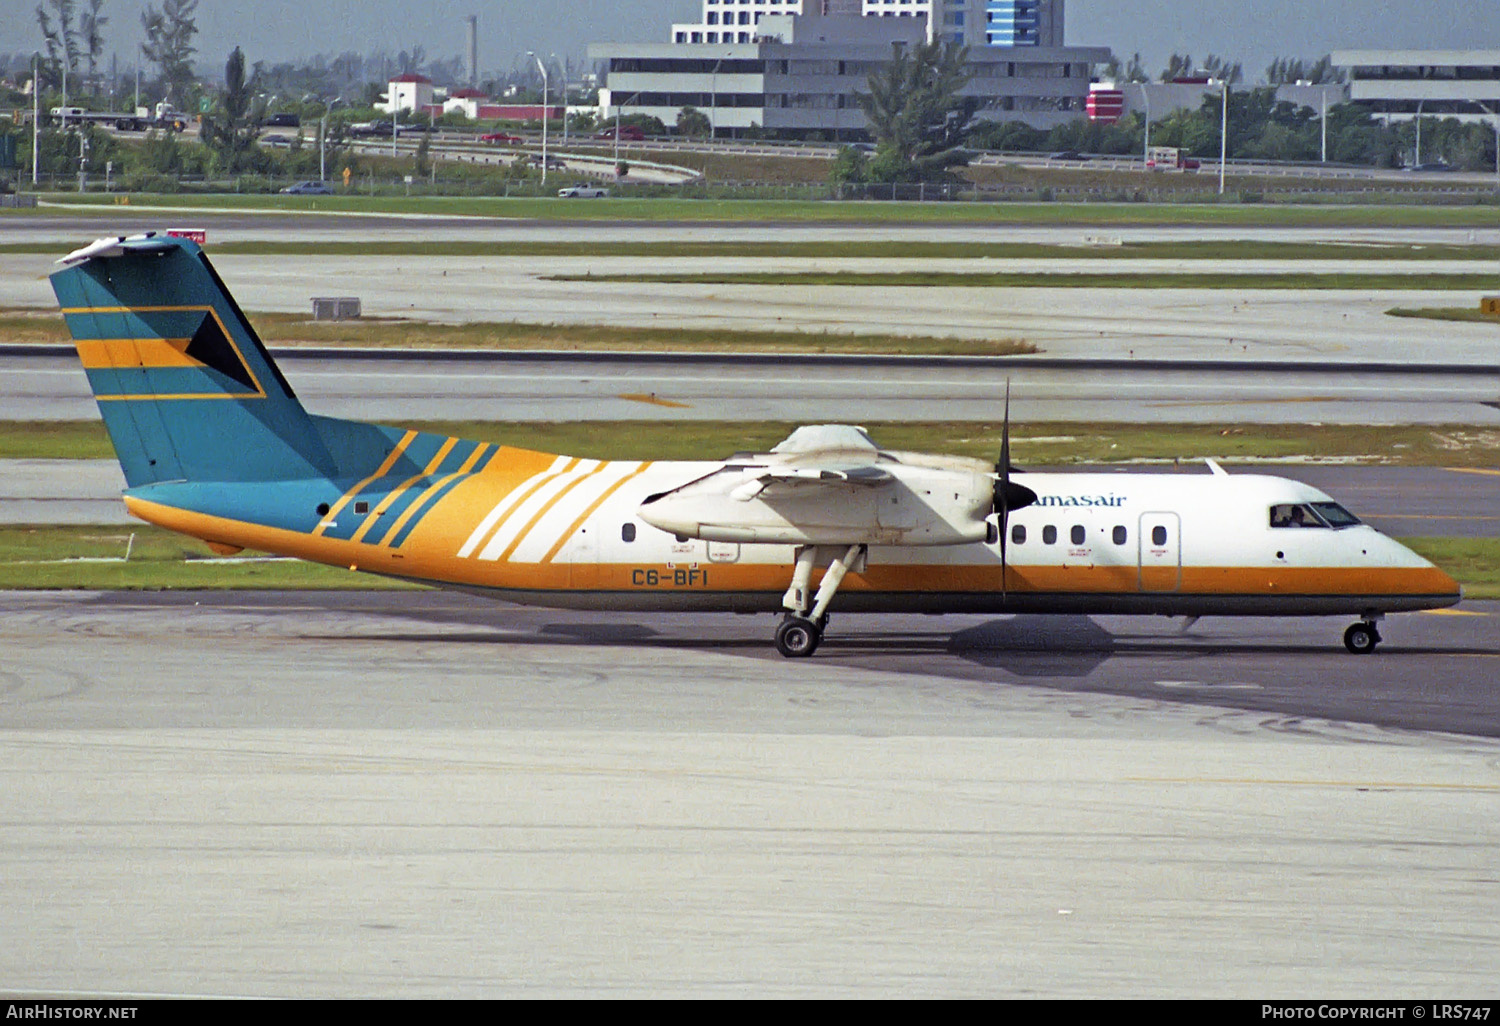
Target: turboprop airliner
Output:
[{"x": 215, "y": 444}]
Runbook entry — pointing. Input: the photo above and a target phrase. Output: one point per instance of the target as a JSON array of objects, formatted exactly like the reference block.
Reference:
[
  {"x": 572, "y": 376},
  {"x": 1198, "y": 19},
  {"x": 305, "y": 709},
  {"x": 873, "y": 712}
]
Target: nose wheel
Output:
[
  {"x": 1361, "y": 638},
  {"x": 798, "y": 637},
  {"x": 802, "y": 628}
]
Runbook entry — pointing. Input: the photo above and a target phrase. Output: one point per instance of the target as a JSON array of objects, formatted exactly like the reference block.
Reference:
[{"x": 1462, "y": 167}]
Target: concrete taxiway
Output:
[
  {"x": 48, "y": 384},
  {"x": 423, "y": 795}
]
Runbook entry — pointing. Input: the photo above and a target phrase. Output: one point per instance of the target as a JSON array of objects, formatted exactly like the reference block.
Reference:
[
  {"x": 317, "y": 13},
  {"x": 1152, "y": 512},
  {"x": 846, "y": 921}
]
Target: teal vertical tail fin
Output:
[{"x": 186, "y": 389}]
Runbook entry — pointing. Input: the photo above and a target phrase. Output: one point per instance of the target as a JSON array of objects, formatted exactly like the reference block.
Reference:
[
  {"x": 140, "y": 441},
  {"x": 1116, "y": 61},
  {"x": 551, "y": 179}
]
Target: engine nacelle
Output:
[{"x": 749, "y": 505}]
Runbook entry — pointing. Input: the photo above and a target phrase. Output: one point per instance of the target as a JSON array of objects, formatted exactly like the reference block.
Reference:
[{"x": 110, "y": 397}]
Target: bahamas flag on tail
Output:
[
  {"x": 186, "y": 389},
  {"x": 211, "y": 436}
]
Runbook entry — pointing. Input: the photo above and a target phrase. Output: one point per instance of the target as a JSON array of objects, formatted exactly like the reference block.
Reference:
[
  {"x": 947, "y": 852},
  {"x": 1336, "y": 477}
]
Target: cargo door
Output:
[{"x": 1160, "y": 552}]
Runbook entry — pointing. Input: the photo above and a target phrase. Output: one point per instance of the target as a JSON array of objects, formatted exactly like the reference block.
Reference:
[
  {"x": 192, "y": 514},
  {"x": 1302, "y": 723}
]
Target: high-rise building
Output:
[
  {"x": 966, "y": 22},
  {"x": 802, "y": 74}
]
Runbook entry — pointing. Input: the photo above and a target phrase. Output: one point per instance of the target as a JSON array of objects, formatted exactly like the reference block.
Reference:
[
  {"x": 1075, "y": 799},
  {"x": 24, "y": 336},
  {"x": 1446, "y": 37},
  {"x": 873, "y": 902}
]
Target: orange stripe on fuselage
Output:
[
  {"x": 390, "y": 499},
  {"x": 573, "y": 528},
  {"x": 416, "y": 503},
  {"x": 381, "y": 471},
  {"x": 435, "y": 559}
]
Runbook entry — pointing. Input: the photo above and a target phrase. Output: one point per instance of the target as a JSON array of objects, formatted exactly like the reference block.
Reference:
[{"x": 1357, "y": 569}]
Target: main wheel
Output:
[
  {"x": 797, "y": 637},
  {"x": 1361, "y": 638}
]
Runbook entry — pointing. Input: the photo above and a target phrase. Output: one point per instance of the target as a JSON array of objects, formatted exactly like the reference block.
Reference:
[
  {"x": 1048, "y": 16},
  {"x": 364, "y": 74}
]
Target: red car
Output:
[
  {"x": 500, "y": 137},
  {"x": 629, "y": 132}
]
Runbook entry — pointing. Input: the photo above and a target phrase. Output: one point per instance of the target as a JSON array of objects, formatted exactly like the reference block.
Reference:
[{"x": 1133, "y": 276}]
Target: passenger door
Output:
[{"x": 1160, "y": 541}]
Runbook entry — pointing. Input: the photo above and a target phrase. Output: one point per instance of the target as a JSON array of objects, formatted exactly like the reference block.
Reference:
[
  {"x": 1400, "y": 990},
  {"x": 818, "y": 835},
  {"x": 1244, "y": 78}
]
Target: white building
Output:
[
  {"x": 407, "y": 93},
  {"x": 803, "y": 75},
  {"x": 1400, "y": 84},
  {"x": 968, "y": 22}
]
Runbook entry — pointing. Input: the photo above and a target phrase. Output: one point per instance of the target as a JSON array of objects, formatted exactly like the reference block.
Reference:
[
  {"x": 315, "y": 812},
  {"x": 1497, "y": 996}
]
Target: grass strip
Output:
[
  {"x": 42, "y": 326},
  {"x": 1045, "y": 444},
  {"x": 61, "y": 557},
  {"x": 1356, "y": 281},
  {"x": 1445, "y": 313},
  {"x": 883, "y": 249},
  {"x": 615, "y": 209}
]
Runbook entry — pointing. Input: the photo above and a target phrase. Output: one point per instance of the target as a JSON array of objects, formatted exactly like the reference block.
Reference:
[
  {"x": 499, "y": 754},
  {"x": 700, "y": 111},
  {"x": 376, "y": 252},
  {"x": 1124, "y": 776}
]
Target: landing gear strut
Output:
[
  {"x": 1361, "y": 638},
  {"x": 802, "y": 630}
]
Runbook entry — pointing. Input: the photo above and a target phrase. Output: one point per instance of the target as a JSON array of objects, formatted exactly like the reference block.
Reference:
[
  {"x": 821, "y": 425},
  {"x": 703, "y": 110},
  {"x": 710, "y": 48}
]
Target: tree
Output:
[
  {"x": 230, "y": 129},
  {"x": 917, "y": 116},
  {"x": 693, "y": 122},
  {"x": 169, "y": 43},
  {"x": 850, "y": 167},
  {"x": 61, "y": 42},
  {"x": 92, "y": 29}
]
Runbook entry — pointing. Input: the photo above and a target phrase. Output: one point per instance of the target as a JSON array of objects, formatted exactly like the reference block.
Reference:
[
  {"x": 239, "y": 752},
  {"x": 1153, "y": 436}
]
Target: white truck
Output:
[{"x": 163, "y": 115}]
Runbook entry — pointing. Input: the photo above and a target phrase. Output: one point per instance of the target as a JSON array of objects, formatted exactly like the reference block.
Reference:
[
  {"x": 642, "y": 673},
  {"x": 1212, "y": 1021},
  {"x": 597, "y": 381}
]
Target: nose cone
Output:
[{"x": 1414, "y": 574}]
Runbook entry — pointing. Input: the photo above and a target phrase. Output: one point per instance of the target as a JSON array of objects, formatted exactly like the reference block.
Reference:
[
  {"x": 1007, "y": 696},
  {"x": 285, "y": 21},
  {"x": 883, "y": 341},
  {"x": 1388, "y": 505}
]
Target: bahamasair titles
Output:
[{"x": 215, "y": 444}]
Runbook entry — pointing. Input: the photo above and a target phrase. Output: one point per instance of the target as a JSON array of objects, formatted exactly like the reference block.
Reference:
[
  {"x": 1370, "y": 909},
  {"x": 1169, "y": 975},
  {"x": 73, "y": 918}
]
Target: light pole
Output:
[
  {"x": 36, "y": 112},
  {"x": 618, "y": 108},
  {"x": 1485, "y": 107},
  {"x": 1223, "y": 132},
  {"x": 1146, "y": 148},
  {"x": 564, "y": 66},
  {"x": 1416, "y": 162},
  {"x": 543, "y": 69},
  {"x": 713, "y": 103}
]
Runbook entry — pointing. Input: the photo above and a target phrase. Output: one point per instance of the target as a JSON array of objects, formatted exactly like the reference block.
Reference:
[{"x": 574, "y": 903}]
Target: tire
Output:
[
  {"x": 797, "y": 637},
  {"x": 1361, "y": 638}
]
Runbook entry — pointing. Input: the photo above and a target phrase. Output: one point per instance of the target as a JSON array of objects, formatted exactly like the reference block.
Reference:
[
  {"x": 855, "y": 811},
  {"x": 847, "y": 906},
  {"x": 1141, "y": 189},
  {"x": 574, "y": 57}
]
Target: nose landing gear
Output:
[
  {"x": 1361, "y": 638},
  {"x": 802, "y": 630}
]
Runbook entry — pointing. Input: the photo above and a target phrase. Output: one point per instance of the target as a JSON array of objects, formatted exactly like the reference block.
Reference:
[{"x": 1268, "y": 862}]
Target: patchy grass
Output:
[
  {"x": 1445, "y": 313},
  {"x": 1045, "y": 444},
  {"x": 881, "y": 249},
  {"x": 399, "y": 333},
  {"x": 1358, "y": 281},
  {"x": 53, "y": 557},
  {"x": 796, "y": 211},
  {"x": 1473, "y": 562}
]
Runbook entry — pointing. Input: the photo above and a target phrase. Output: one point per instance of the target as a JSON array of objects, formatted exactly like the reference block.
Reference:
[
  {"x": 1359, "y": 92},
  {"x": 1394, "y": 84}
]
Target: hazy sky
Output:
[{"x": 1251, "y": 31}]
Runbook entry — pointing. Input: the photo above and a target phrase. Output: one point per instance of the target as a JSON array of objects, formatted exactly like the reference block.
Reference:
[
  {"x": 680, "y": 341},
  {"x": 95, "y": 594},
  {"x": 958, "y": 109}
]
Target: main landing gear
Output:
[
  {"x": 1361, "y": 638},
  {"x": 801, "y": 630}
]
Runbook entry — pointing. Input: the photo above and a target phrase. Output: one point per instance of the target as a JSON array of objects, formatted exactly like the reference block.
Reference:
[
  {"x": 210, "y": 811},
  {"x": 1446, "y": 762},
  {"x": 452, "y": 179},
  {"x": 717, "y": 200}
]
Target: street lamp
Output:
[
  {"x": 1485, "y": 107},
  {"x": 543, "y": 69},
  {"x": 36, "y": 112},
  {"x": 1146, "y": 147},
  {"x": 1417, "y": 161},
  {"x": 619, "y": 107},
  {"x": 1223, "y": 84},
  {"x": 713, "y": 103}
]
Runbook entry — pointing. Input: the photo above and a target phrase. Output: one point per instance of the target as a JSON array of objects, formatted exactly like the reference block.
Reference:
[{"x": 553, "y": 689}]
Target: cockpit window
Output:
[
  {"x": 1296, "y": 515},
  {"x": 1335, "y": 515}
]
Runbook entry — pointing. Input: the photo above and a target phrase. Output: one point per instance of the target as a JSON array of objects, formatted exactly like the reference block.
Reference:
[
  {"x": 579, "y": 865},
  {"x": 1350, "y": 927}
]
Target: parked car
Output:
[
  {"x": 500, "y": 137},
  {"x": 1070, "y": 155},
  {"x": 627, "y": 132},
  {"x": 1189, "y": 164},
  {"x": 309, "y": 189},
  {"x": 1436, "y": 165},
  {"x": 583, "y": 191}
]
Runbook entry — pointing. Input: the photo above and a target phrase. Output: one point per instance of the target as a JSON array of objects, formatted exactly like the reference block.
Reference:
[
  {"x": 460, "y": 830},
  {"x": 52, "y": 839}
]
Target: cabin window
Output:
[
  {"x": 1049, "y": 535},
  {"x": 1295, "y": 515},
  {"x": 1158, "y": 535},
  {"x": 361, "y": 508},
  {"x": 1018, "y": 534},
  {"x": 627, "y": 532},
  {"x": 1121, "y": 535},
  {"x": 1335, "y": 515},
  {"x": 991, "y": 533},
  {"x": 1079, "y": 535}
]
